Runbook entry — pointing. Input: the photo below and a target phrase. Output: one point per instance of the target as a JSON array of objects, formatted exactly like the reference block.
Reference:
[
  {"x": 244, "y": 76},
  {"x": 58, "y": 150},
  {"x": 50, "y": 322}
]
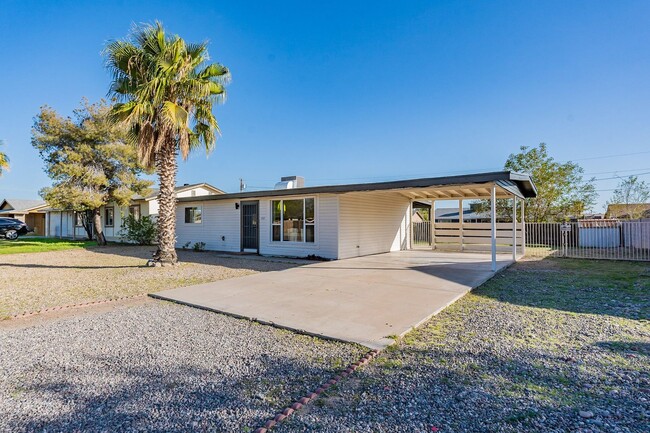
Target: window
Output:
[
  {"x": 293, "y": 220},
  {"x": 109, "y": 217},
  {"x": 192, "y": 215},
  {"x": 135, "y": 211}
]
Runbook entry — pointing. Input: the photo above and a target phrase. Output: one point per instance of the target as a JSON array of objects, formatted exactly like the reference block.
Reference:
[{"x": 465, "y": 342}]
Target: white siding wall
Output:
[
  {"x": 372, "y": 223},
  {"x": 326, "y": 242},
  {"x": 153, "y": 207},
  {"x": 219, "y": 219},
  {"x": 120, "y": 213},
  {"x": 195, "y": 192}
]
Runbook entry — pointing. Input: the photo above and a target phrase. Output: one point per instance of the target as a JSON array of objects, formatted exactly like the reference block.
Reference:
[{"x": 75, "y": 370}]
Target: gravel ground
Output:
[
  {"x": 156, "y": 367},
  {"x": 33, "y": 281},
  {"x": 552, "y": 346}
]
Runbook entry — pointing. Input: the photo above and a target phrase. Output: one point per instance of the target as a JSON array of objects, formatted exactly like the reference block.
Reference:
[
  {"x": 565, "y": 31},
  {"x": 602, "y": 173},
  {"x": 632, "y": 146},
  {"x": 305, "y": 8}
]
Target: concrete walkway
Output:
[{"x": 362, "y": 300}]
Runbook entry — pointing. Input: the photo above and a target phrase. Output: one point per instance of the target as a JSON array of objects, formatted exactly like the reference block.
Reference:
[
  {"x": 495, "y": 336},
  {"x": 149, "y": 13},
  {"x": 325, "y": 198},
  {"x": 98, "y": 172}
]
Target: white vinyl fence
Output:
[
  {"x": 470, "y": 237},
  {"x": 590, "y": 239}
]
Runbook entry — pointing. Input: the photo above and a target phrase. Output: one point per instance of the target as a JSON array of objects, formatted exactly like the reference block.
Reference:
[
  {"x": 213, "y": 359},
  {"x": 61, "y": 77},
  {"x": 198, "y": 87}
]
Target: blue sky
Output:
[{"x": 370, "y": 91}]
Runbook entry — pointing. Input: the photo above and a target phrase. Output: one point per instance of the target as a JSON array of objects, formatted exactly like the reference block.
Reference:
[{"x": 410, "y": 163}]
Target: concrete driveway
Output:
[{"x": 363, "y": 300}]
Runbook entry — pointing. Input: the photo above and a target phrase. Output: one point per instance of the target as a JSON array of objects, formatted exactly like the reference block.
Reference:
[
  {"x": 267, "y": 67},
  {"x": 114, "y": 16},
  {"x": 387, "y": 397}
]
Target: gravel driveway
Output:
[
  {"x": 552, "y": 346},
  {"x": 155, "y": 366}
]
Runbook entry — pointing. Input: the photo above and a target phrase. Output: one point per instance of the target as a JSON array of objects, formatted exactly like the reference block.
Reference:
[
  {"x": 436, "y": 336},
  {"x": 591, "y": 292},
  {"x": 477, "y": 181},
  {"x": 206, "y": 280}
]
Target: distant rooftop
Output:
[
  {"x": 19, "y": 205},
  {"x": 186, "y": 187}
]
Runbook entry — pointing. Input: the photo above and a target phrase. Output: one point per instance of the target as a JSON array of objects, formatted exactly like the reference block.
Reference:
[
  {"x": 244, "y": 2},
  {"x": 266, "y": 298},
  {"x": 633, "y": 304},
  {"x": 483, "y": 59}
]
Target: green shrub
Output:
[
  {"x": 140, "y": 231},
  {"x": 199, "y": 246}
]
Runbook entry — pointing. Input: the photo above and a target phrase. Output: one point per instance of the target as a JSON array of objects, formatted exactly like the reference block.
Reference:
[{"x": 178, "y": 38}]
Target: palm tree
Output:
[
  {"x": 4, "y": 160},
  {"x": 165, "y": 90}
]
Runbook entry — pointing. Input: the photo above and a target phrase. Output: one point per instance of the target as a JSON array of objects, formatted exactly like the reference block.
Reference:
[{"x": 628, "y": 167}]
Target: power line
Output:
[
  {"x": 442, "y": 173},
  {"x": 608, "y": 156},
  {"x": 618, "y": 171},
  {"x": 619, "y": 177}
]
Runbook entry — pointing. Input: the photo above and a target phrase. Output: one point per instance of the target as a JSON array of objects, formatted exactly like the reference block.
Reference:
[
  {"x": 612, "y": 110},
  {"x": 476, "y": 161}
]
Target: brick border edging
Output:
[
  {"x": 302, "y": 401},
  {"x": 70, "y": 306}
]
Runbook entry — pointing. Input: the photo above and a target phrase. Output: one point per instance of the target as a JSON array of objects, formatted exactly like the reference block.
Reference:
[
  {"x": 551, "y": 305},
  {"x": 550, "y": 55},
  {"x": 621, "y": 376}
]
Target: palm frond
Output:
[
  {"x": 163, "y": 86},
  {"x": 174, "y": 115}
]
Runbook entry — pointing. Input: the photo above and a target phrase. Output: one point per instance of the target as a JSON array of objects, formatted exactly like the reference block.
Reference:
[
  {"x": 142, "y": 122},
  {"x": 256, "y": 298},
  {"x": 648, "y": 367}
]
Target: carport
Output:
[
  {"x": 379, "y": 211},
  {"x": 504, "y": 190}
]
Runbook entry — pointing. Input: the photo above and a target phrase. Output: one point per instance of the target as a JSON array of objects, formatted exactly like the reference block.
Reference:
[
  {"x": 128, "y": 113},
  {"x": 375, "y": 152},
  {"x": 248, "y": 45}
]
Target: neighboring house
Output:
[
  {"x": 67, "y": 224},
  {"x": 590, "y": 216},
  {"x": 332, "y": 222},
  {"x": 31, "y": 212},
  {"x": 418, "y": 216},
  {"x": 470, "y": 215},
  {"x": 421, "y": 212},
  {"x": 623, "y": 211}
]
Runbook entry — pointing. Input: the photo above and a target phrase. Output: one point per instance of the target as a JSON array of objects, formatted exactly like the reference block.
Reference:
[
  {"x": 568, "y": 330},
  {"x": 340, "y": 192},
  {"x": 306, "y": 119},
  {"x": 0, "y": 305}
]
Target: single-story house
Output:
[
  {"x": 335, "y": 222},
  {"x": 31, "y": 212},
  {"x": 67, "y": 224}
]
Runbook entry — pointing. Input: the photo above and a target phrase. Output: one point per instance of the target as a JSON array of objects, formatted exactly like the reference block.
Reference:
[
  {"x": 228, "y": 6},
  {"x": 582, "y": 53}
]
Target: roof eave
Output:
[{"x": 518, "y": 178}]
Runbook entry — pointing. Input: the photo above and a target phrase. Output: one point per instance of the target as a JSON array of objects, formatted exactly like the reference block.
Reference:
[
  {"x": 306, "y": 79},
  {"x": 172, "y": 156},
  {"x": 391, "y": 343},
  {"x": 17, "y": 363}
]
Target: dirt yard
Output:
[{"x": 34, "y": 281}]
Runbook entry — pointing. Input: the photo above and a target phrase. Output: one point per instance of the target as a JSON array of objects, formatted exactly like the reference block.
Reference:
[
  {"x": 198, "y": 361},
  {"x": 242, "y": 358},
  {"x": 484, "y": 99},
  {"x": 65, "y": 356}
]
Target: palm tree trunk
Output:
[
  {"x": 166, "y": 168},
  {"x": 97, "y": 223}
]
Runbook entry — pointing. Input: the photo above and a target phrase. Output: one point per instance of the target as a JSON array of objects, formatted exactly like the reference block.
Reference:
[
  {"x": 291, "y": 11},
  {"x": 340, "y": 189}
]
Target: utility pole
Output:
[{"x": 242, "y": 185}]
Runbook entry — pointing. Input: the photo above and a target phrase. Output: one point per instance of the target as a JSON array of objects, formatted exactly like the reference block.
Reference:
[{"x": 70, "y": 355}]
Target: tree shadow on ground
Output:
[
  {"x": 481, "y": 390},
  {"x": 231, "y": 261},
  {"x": 626, "y": 348},
  {"x": 190, "y": 399},
  {"x": 613, "y": 288},
  {"x": 42, "y": 266},
  {"x": 160, "y": 395},
  {"x": 226, "y": 259}
]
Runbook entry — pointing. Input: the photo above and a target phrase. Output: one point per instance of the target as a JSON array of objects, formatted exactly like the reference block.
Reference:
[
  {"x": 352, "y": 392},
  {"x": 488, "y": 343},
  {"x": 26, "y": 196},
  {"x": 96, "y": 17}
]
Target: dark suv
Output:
[{"x": 11, "y": 228}]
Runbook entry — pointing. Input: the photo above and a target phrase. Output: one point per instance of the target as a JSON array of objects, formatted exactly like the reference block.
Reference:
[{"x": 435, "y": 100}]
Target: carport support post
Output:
[
  {"x": 432, "y": 224},
  {"x": 514, "y": 228},
  {"x": 461, "y": 218},
  {"x": 523, "y": 229},
  {"x": 493, "y": 223}
]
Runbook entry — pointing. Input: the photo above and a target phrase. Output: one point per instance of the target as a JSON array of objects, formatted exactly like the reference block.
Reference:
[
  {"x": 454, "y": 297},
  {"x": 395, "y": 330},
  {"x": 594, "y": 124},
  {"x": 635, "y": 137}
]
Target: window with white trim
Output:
[
  {"x": 193, "y": 215},
  {"x": 109, "y": 219},
  {"x": 293, "y": 220},
  {"x": 135, "y": 211}
]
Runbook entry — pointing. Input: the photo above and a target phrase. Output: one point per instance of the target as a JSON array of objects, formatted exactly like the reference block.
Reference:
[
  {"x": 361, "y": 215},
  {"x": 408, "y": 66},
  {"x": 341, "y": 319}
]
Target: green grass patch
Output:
[
  {"x": 615, "y": 288},
  {"x": 39, "y": 245}
]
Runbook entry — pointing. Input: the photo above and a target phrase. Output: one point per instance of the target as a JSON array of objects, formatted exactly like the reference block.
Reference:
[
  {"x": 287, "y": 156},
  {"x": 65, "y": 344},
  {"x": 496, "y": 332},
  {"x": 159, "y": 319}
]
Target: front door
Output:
[{"x": 249, "y": 226}]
